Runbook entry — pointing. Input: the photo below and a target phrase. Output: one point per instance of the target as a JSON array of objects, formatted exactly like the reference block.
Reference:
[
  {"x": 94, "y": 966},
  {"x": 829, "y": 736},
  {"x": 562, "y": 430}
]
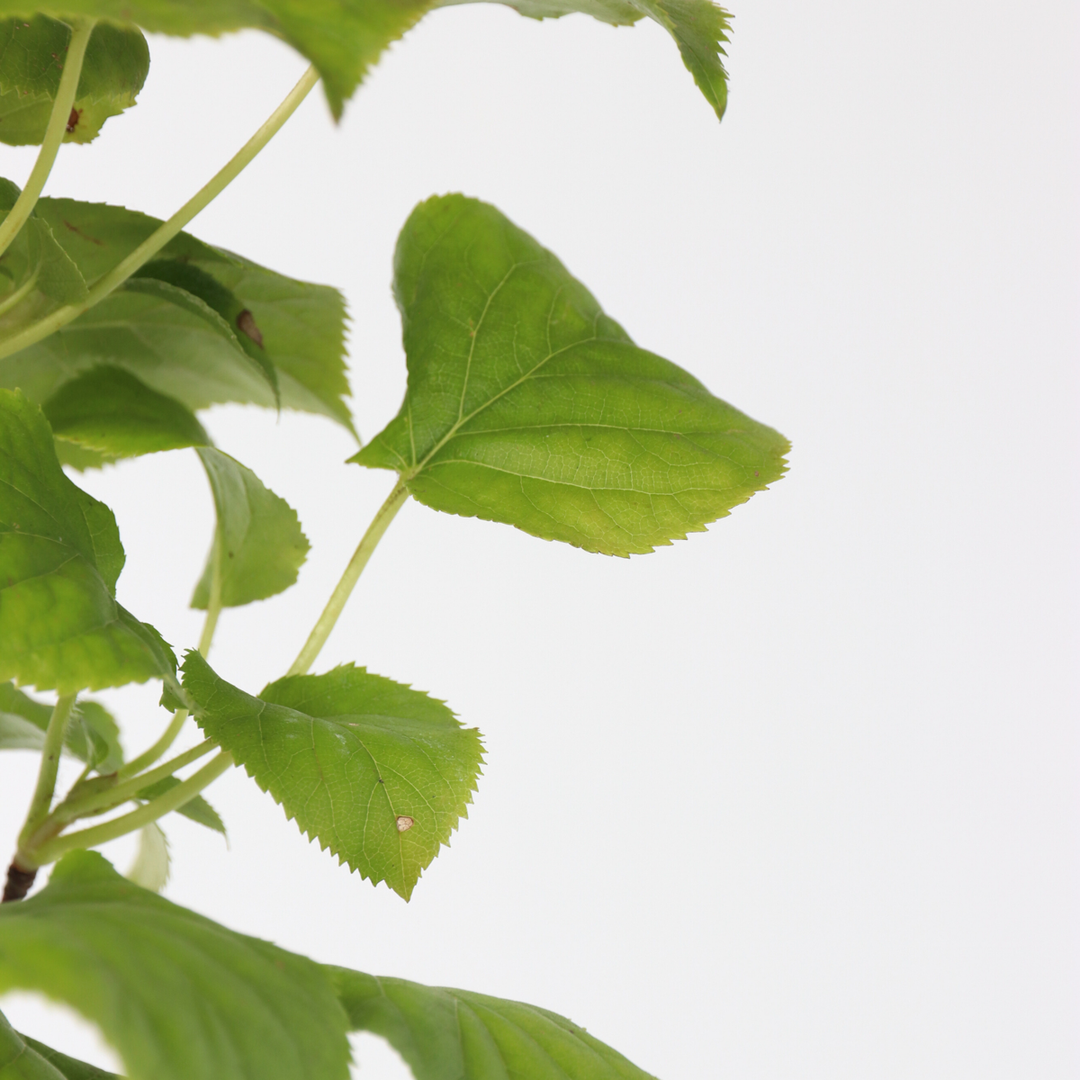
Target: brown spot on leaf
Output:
[
  {"x": 404, "y": 823},
  {"x": 245, "y": 322},
  {"x": 73, "y": 120}
]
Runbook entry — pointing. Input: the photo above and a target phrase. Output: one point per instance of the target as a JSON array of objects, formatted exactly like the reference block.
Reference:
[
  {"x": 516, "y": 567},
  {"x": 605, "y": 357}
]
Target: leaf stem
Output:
[
  {"x": 339, "y": 597},
  {"x": 136, "y": 765},
  {"x": 168, "y": 229},
  {"x": 54, "y": 133},
  {"x": 72, "y": 808},
  {"x": 213, "y": 603},
  {"x": 172, "y": 800},
  {"x": 50, "y": 763}
]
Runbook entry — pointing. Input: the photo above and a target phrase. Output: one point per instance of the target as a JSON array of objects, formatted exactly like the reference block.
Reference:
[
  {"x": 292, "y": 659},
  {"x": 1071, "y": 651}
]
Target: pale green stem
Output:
[
  {"x": 339, "y": 597},
  {"x": 50, "y": 763},
  {"x": 213, "y": 610},
  {"x": 167, "y": 230},
  {"x": 10, "y": 301},
  {"x": 70, "y": 809},
  {"x": 54, "y": 133},
  {"x": 172, "y": 800}
]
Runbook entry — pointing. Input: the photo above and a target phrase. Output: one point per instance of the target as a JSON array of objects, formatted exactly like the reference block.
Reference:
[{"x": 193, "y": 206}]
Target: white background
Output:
[{"x": 796, "y": 798}]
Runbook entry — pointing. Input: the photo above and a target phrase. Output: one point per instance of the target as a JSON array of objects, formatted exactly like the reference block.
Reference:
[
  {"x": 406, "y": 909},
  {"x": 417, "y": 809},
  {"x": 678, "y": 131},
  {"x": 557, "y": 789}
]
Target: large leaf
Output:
[
  {"x": 173, "y": 339},
  {"x": 375, "y": 771},
  {"x": 700, "y": 29},
  {"x": 447, "y": 1034},
  {"x": 32, "y": 55},
  {"x": 258, "y": 541},
  {"x": 110, "y": 411},
  {"x": 526, "y": 404},
  {"x": 60, "y": 556},
  {"x": 22, "y": 1058},
  {"x": 92, "y": 734},
  {"x": 180, "y": 997}
]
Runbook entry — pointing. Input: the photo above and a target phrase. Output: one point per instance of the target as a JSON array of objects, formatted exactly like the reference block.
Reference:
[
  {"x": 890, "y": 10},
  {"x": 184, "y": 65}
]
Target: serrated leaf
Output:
[
  {"x": 526, "y": 404},
  {"x": 377, "y": 772},
  {"x": 150, "y": 870},
  {"x": 92, "y": 734},
  {"x": 179, "y": 996},
  {"x": 197, "y": 809},
  {"x": 32, "y": 52},
  {"x": 258, "y": 540},
  {"x": 700, "y": 29},
  {"x": 446, "y": 1034},
  {"x": 110, "y": 411},
  {"x": 60, "y": 554},
  {"x": 177, "y": 350}
]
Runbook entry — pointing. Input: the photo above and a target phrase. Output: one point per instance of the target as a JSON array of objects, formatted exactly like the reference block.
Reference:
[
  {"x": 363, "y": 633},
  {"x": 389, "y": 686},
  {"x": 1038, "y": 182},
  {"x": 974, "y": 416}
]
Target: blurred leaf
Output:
[
  {"x": 258, "y": 536},
  {"x": 198, "y": 809},
  {"x": 448, "y": 1034},
  {"x": 32, "y": 52},
  {"x": 168, "y": 336},
  {"x": 60, "y": 555},
  {"x": 179, "y": 996},
  {"x": 24, "y": 1059},
  {"x": 150, "y": 870},
  {"x": 112, "y": 412},
  {"x": 375, "y": 771},
  {"x": 92, "y": 734},
  {"x": 68, "y": 1067},
  {"x": 526, "y": 404}
]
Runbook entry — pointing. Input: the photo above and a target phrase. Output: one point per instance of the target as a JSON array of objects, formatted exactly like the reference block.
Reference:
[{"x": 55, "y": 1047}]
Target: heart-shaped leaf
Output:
[
  {"x": 179, "y": 996},
  {"x": 32, "y": 51},
  {"x": 375, "y": 771},
  {"x": 447, "y": 1034},
  {"x": 60, "y": 556},
  {"x": 526, "y": 404},
  {"x": 258, "y": 543}
]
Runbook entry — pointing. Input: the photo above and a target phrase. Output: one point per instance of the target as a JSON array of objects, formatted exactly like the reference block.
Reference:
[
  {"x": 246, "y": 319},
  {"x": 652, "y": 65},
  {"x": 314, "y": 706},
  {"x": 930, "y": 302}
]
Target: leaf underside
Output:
[
  {"x": 32, "y": 52},
  {"x": 526, "y": 404},
  {"x": 446, "y": 1034},
  {"x": 344, "y": 39},
  {"x": 179, "y": 996},
  {"x": 377, "y": 772},
  {"x": 60, "y": 556},
  {"x": 176, "y": 341}
]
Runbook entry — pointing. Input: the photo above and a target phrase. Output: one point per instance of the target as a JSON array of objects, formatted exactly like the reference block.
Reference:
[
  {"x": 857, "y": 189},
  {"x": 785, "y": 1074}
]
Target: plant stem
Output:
[
  {"x": 168, "y": 229},
  {"x": 50, "y": 763},
  {"x": 213, "y": 604},
  {"x": 183, "y": 793},
  {"x": 339, "y": 597},
  {"x": 70, "y": 809},
  {"x": 54, "y": 133}
]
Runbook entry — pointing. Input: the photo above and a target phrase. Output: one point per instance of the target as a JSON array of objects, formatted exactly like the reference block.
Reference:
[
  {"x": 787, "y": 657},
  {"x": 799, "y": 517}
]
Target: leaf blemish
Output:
[
  {"x": 246, "y": 324},
  {"x": 404, "y": 822},
  {"x": 73, "y": 120}
]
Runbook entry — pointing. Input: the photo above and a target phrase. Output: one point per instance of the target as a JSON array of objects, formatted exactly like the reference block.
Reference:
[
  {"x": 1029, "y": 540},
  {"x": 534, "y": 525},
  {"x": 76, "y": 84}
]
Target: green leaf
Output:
[
  {"x": 375, "y": 771},
  {"x": 179, "y": 996},
  {"x": 258, "y": 540},
  {"x": 32, "y": 52},
  {"x": 92, "y": 734},
  {"x": 150, "y": 870},
  {"x": 60, "y": 555},
  {"x": 68, "y": 1067},
  {"x": 112, "y": 412},
  {"x": 173, "y": 339},
  {"x": 700, "y": 29},
  {"x": 198, "y": 809},
  {"x": 526, "y": 404},
  {"x": 446, "y": 1034},
  {"x": 18, "y": 1061}
]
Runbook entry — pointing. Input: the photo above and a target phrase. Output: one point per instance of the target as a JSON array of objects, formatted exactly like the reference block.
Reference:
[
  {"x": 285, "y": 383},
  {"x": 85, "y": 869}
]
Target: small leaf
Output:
[
  {"x": 32, "y": 52},
  {"x": 60, "y": 554},
  {"x": 700, "y": 29},
  {"x": 179, "y": 996},
  {"x": 19, "y": 1061},
  {"x": 68, "y": 1067},
  {"x": 150, "y": 870},
  {"x": 176, "y": 341},
  {"x": 258, "y": 538},
  {"x": 348, "y": 754},
  {"x": 92, "y": 735},
  {"x": 446, "y": 1034},
  {"x": 526, "y": 404},
  {"x": 197, "y": 809},
  {"x": 112, "y": 412}
]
